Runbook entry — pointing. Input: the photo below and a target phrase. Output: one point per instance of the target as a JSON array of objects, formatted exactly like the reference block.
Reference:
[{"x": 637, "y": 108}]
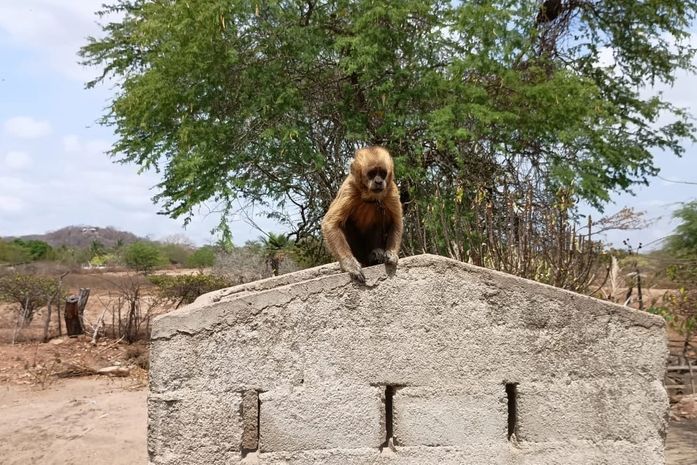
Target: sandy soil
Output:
[
  {"x": 95, "y": 421},
  {"x": 103, "y": 422},
  {"x": 681, "y": 443}
]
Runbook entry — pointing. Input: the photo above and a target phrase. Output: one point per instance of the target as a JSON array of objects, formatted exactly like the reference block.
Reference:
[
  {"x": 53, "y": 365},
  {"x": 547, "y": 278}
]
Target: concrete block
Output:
[
  {"x": 590, "y": 453},
  {"x": 600, "y": 410},
  {"x": 194, "y": 428},
  {"x": 450, "y": 416},
  {"x": 322, "y": 417}
]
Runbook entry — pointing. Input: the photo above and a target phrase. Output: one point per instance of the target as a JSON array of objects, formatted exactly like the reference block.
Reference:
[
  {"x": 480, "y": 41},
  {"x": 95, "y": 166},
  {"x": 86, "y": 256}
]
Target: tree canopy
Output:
[
  {"x": 143, "y": 256},
  {"x": 683, "y": 242},
  {"x": 489, "y": 107}
]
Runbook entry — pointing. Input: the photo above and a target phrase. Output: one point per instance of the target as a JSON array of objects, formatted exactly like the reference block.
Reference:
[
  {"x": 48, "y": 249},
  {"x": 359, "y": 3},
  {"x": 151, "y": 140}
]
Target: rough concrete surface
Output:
[{"x": 421, "y": 360}]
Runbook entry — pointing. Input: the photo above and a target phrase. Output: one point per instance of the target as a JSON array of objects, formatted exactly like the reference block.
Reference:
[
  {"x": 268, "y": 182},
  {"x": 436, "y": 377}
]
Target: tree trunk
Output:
[
  {"x": 58, "y": 318},
  {"x": 58, "y": 298},
  {"x": 73, "y": 325},
  {"x": 47, "y": 321},
  {"x": 81, "y": 303},
  {"x": 20, "y": 320}
]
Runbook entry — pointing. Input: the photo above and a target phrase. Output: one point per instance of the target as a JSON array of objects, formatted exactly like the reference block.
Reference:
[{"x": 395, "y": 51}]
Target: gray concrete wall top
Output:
[{"x": 441, "y": 363}]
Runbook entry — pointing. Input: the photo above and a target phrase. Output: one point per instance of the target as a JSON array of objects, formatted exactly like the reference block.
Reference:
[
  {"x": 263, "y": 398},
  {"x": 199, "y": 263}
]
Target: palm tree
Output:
[{"x": 275, "y": 249}]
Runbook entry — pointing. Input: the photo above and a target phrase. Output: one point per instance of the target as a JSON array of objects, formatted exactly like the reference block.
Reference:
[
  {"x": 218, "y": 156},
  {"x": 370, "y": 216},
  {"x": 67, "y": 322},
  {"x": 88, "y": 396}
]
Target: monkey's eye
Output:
[{"x": 377, "y": 172}]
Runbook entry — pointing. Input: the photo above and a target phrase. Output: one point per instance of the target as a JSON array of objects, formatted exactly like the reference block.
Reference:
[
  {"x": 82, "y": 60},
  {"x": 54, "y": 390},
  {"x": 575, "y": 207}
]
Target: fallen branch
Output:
[
  {"x": 114, "y": 371},
  {"x": 97, "y": 327},
  {"x": 75, "y": 370}
]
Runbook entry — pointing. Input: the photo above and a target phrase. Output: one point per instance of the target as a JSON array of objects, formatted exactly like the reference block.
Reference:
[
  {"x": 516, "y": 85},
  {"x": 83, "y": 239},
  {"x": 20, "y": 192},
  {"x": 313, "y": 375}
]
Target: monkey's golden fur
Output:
[{"x": 363, "y": 225}]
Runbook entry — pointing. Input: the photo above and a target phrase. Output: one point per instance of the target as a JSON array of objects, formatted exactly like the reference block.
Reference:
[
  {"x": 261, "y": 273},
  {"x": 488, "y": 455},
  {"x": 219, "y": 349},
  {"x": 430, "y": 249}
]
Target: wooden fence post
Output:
[{"x": 73, "y": 325}]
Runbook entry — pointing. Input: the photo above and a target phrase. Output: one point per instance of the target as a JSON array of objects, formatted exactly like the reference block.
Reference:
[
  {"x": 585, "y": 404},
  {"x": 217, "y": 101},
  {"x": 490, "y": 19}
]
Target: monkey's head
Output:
[{"x": 372, "y": 170}]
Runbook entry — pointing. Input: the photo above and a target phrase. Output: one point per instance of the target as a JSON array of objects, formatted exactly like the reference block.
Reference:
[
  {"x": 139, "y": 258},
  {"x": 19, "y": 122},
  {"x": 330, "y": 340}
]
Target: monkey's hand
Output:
[
  {"x": 376, "y": 256},
  {"x": 353, "y": 268},
  {"x": 391, "y": 258}
]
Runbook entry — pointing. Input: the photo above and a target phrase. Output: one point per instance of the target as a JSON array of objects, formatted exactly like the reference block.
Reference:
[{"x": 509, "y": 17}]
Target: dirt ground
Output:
[
  {"x": 681, "y": 443},
  {"x": 86, "y": 420}
]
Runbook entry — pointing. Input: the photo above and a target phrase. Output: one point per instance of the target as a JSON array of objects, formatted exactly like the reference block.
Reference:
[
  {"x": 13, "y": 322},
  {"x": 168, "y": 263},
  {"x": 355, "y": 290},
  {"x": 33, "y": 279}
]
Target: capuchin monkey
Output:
[{"x": 363, "y": 225}]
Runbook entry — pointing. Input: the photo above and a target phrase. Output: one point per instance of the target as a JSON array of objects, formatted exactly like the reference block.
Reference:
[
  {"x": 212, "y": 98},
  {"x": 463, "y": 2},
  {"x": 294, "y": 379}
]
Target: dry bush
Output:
[
  {"x": 130, "y": 308},
  {"x": 139, "y": 355},
  {"x": 184, "y": 289},
  {"x": 245, "y": 264}
]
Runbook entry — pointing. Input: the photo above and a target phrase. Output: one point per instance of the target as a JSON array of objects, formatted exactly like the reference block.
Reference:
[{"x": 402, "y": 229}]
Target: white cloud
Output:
[
  {"x": 55, "y": 29},
  {"x": 17, "y": 160},
  {"x": 71, "y": 143},
  {"x": 9, "y": 204},
  {"x": 26, "y": 127},
  {"x": 86, "y": 148}
]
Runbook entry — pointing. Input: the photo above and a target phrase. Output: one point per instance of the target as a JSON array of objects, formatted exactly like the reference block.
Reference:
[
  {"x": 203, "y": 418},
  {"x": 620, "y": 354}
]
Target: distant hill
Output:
[{"x": 83, "y": 236}]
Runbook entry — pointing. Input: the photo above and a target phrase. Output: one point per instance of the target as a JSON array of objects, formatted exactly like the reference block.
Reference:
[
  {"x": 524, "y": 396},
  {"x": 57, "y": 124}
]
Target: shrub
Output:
[
  {"x": 202, "y": 258},
  {"x": 143, "y": 256}
]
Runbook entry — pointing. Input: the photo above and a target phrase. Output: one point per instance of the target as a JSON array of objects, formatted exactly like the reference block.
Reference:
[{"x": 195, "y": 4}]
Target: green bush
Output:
[
  {"x": 37, "y": 250},
  {"x": 143, "y": 256},
  {"x": 13, "y": 254},
  {"x": 202, "y": 258}
]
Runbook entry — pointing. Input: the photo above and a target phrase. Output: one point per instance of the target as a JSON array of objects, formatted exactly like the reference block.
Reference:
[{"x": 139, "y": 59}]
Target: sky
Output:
[{"x": 54, "y": 171}]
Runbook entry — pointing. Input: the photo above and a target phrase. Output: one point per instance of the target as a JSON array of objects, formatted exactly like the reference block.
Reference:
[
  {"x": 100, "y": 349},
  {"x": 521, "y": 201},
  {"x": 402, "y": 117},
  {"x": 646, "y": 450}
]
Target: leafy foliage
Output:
[
  {"x": 683, "y": 242},
  {"x": 13, "y": 254},
  {"x": 142, "y": 256},
  {"x": 484, "y": 107},
  {"x": 275, "y": 249},
  {"x": 20, "y": 251},
  {"x": 203, "y": 257}
]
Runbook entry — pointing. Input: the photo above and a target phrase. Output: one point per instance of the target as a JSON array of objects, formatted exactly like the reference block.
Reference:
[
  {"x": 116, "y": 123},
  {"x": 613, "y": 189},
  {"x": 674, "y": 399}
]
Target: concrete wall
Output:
[{"x": 443, "y": 363}]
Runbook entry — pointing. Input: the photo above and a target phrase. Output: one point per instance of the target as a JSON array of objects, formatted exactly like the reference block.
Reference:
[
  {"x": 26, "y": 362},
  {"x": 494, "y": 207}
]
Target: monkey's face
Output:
[
  {"x": 371, "y": 170},
  {"x": 375, "y": 179}
]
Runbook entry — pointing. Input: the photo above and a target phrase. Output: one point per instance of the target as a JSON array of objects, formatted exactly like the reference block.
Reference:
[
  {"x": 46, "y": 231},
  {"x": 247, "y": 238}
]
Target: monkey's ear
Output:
[{"x": 354, "y": 169}]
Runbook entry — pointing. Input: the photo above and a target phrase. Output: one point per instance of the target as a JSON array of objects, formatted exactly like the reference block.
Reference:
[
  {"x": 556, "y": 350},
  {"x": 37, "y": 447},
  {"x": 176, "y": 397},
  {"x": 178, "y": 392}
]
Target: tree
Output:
[
  {"x": 683, "y": 243},
  {"x": 680, "y": 306},
  {"x": 97, "y": 249},
  {"x": 275, "y": 250},
  {"x": 176, "y": 254},
  {"x": 142, "y": 256},
  {"x": 30, "y": 293},
  {"x": 484, "y": 107},
  {"x": 203, "y": 257},
  {"x": 13, "y": 254},
  {"x": 37, "y": 250}
]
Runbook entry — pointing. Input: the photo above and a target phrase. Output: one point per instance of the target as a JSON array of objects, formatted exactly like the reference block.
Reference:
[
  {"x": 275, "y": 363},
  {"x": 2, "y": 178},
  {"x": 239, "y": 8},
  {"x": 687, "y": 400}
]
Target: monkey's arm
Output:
[
  {"x": 332, "y": 230},
  {"x": 394, "y": 235}
]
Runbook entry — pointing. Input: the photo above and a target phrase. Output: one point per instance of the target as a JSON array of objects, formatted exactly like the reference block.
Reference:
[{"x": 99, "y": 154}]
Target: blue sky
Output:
[{"x": 54, "y": 173}]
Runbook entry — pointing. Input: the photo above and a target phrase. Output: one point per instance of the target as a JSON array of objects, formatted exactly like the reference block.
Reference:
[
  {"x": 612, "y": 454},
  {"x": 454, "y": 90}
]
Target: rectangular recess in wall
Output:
[
  {"x": 389, "y": 416},
  {"x": 512, "y": 396},
  {"x": 251, "y": 413}
]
